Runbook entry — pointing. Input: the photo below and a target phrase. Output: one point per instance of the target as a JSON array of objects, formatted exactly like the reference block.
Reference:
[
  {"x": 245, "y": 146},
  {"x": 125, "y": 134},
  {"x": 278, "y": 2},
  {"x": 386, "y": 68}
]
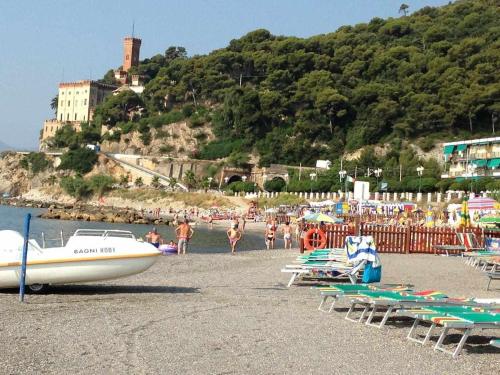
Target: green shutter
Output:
[
  {"x": 493, "y": 163},
  {"x": 461, "y": 147},
  {"x": 480, "y": 163},
  {"x": 448, "y": 149}
]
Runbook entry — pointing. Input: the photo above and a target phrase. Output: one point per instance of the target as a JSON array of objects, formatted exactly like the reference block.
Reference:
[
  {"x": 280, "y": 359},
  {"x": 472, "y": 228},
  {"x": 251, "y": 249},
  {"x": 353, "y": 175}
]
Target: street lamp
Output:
[
  {"x": 226, "y": 180},
  {"x": 313, "y": 177},
  {"x": 420, "y": 171},
  {"x": 342, "y": 175},
  {"x": 244, "y": 178},
  {"x": 472, "y": 170},
  {"x": 378, "y": 173}
]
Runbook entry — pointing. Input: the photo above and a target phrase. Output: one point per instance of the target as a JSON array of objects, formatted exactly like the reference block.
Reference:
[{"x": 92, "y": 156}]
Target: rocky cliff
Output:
[{"x": 176, "y": 140}]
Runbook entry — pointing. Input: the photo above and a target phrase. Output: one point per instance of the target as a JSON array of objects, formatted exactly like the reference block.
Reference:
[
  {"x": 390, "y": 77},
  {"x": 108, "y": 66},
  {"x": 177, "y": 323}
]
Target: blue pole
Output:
[{"x": 22, "y": 278}]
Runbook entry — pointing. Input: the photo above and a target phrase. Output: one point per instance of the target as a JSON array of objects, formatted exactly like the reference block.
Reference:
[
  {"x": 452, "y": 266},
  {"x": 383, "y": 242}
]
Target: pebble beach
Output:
[{"x": 223, "y": 314}]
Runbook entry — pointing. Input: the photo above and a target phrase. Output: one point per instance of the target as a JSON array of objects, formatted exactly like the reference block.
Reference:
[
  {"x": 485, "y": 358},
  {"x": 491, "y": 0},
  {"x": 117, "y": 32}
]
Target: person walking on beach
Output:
[
  {"x": 270, "y": 236},
  {"x": 287, "y": 235},
  {"x": 184, "y": 232},
  {"x": 234, "y": 235},
  {"x": 244, "y": 222},
  {"x": 211, "y": 221}
]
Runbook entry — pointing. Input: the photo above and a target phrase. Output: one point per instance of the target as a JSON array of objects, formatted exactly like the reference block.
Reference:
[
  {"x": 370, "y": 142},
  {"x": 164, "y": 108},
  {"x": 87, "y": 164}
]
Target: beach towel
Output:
[{"x": 359, "y": 248}]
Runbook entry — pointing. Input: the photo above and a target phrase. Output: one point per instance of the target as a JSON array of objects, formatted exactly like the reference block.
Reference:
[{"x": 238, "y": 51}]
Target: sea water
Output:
[{"x": 205, "y": 240}]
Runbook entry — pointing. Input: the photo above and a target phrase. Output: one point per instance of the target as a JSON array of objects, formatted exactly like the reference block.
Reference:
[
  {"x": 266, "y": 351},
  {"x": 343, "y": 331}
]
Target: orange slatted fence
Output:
[{"x": 403, "y": 239}]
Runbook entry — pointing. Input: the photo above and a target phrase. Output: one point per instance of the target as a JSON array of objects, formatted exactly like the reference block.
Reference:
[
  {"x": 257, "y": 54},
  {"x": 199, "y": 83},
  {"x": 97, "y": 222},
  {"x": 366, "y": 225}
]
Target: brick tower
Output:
[{"x": 131, "y": 47}]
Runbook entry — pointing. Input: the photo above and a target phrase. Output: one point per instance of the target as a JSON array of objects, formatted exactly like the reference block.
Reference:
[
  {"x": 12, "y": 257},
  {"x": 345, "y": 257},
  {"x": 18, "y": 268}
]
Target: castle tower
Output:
[{"x": 131, "y": 47}]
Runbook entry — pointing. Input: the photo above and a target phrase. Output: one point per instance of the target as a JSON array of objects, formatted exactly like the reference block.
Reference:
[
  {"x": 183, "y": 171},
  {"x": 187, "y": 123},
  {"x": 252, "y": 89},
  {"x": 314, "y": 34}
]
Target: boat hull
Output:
[{"x": 76, "y": 271}]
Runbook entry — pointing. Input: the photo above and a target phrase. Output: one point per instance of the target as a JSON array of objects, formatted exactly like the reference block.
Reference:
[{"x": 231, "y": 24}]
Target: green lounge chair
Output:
[
  {"x": 462, "y": 318},
  {"x": 391, "y": 301},
  {"x": 337, "y": 291},
  {"x": 341, "y": 270}
]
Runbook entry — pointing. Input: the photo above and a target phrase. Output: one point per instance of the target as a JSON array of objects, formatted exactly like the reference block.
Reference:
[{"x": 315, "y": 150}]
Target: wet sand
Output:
[{"x": 223, "y": 314}]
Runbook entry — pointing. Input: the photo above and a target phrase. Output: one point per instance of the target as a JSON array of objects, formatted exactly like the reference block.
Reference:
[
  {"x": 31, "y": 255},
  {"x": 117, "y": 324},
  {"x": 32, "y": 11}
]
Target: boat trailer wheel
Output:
[{"x": 37, "y": 288}]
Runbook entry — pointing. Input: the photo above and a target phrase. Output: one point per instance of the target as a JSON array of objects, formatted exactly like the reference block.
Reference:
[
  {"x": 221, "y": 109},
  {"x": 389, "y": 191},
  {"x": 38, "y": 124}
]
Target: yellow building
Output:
[
  {"x": 77, "y": 100},
  {"x": 76, "y": 104}
]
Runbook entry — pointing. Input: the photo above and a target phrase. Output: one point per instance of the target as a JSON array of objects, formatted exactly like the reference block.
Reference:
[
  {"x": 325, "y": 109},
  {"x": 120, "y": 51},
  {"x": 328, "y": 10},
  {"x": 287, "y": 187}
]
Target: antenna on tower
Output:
[{"x": 133, "y": 27}]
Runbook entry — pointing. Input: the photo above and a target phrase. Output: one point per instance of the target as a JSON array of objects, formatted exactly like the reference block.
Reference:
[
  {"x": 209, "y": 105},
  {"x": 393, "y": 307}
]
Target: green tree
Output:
[
  {"x": 238, "y": 159},
  {"x": 77, "y": 187},
  {"x": 190, "y": 179},
  {"x": 101, "y": 183},
  {"x": 35, "y": 162},
  {"x": 138, "y": 182},
  {"x": 54, "y": 103},
  {"x": 80, "y": 160},
  {"x": 155, "y": 182},
  {"x": 404, "y": 9},
  {"x": 172, "y": 183},
  {"x": 116, "y": 108}
]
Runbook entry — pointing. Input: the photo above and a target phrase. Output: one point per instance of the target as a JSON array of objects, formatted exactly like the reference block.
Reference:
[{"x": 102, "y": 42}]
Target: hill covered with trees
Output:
[{"x": 432, "y": 74}]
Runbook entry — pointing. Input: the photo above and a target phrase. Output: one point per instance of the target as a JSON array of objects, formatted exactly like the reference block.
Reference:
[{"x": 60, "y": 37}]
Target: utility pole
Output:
[
  {"x": 493, "y": 120},
  {"x": 400, "y": 172},
  {"x": 355, "y": 172},
  {"x": 241, "y": 78}
]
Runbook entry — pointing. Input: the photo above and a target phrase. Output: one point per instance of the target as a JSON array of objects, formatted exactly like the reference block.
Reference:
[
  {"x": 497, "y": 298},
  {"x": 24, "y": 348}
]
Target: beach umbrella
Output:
[
  {"x": 482, "y": 203},
  {"x": 464, "y": 214},
  {"x": 318, "y": 217},
  {"x": 490, "y": 220}
]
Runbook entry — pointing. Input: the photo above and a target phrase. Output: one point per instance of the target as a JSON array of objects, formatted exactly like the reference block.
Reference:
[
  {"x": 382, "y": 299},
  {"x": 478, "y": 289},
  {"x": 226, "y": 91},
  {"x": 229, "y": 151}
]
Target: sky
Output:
[{"x": 44, "y": 42}]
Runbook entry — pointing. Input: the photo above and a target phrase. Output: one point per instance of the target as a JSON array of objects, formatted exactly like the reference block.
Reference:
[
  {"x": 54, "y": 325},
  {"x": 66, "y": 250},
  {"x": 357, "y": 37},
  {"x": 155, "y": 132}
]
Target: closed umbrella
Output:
[{"x": 464, "y": 214}]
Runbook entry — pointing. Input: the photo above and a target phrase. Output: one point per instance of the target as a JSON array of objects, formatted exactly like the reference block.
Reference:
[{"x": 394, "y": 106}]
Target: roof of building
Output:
[
  {"x": 473, "y": 141},
  {"x": 87, "y": 82}
]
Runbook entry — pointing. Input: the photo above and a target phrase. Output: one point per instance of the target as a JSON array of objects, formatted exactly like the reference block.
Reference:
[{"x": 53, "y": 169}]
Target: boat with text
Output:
[{"x": 88, "y": 255}]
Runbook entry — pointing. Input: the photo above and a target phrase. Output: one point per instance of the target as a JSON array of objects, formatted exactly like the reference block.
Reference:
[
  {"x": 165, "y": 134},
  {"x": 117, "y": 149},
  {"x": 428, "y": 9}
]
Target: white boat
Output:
[{"x": 89, "y": 255}]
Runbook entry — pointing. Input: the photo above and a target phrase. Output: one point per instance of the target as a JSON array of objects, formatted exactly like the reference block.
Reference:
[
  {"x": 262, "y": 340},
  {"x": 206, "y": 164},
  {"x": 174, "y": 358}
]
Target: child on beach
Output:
[
  {"x": 234, "y": 235},
  {"x": 287, "y": 235}
]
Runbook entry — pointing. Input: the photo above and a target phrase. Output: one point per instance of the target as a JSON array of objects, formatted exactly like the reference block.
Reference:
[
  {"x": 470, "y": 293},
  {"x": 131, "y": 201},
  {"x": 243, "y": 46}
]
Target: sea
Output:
[{"x": 205, "y": 240}]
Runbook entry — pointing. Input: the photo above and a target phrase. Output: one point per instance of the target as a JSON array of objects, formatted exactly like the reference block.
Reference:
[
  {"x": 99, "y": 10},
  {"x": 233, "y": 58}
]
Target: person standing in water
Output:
[
  {"x": 184, "y": 232},
  {"x": 287, "y": 235},
  {"x": 154, "y": 238},
  {"x": 234, "y": 235}
]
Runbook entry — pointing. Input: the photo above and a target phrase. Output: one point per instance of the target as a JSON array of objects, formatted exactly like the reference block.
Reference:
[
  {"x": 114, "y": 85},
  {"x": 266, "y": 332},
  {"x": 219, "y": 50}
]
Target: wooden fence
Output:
[{"x": 401, "y": 239}]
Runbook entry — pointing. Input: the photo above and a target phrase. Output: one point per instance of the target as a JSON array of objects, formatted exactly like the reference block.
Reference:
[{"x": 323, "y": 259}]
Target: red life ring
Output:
[{"x": 312, "y": 242}]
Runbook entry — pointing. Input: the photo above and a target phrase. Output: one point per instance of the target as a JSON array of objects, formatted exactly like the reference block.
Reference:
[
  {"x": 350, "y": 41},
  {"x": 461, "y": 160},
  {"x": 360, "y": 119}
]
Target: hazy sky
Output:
[{"x": 44, "y": 42}]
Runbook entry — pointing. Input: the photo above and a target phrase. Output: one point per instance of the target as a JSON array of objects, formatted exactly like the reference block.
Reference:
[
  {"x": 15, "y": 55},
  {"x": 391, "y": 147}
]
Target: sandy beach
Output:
[{"x": 223, "y": 314}]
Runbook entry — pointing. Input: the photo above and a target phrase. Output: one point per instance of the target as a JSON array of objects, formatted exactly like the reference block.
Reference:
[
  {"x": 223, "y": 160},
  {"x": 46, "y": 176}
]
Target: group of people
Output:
[
  {"x": 271, "y": 231},
  {"x": 184, "y": 232}
]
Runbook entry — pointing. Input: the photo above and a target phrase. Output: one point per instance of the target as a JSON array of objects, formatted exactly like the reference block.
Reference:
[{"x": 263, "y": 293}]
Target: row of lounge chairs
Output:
[
  {"x": 379, "y": 303},
  {"x": 486, "y": 259},
  {"x": 431, "y": 307},
  {"x": 347, "y": 263}
]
